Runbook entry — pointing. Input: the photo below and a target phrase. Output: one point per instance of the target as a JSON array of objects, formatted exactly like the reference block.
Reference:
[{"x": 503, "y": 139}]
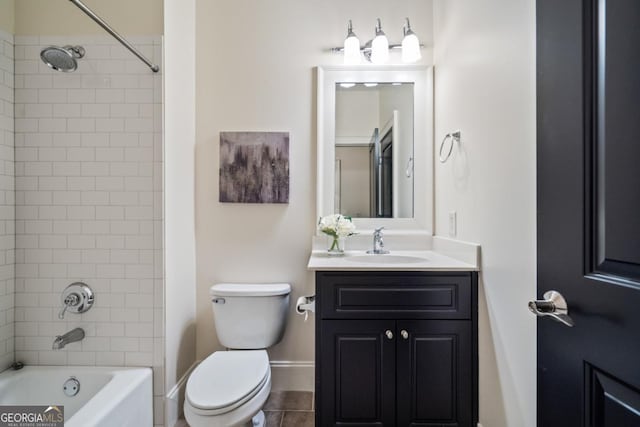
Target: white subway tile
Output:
[
  {"x": 66, "y": 110},
  {"x": 52, "y": 154},
  {"x": 110, "y": 242},
  {"x": 52, "y": 241},
  {"x": 66, "y": 198},
  {"x": 54, "y": 96},
  {"x": 52, "y": 212},
  {"x": 110, "y": 96},
  {"x": 67, "y": 227},
  {"x": 81, "y": 271},
  {"x": 95, "y": 227},
  {"x": 67, "y": 169},
  {"x": 81, "y": 242},
  {"x": 67, "y": 140},
  {"x": 96, "y": 198},
  {"x": 82, "y": 125},
  {"x": 94, "y": 169},
  {"x": 53, "y": 125},
  {"x": 110, "y": 154},
  {"x": 109, "y": 183},
  {"x": 95, "y": 110},
  {"x": 95, "y": 140},
  {"x": 109, "y": 125},
  {"x": 81, "y": 96}
]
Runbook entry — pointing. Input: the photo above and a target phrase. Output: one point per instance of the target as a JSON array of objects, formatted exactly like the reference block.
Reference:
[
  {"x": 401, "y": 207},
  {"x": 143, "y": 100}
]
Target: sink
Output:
[{"x": 385, "y": 259}]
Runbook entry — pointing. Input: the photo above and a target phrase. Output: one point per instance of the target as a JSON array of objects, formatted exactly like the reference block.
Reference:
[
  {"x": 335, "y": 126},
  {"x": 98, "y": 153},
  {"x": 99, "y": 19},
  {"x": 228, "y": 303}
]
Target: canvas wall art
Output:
[{"x": 254, "y": 167}]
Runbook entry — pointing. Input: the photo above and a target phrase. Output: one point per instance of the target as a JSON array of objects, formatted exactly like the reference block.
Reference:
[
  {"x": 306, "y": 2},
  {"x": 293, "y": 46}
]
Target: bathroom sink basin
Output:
[{"x": 385, "y": 259}]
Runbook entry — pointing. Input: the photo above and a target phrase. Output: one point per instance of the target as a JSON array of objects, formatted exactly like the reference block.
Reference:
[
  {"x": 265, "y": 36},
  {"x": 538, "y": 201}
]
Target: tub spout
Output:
[{"x": 73, "y": 335}]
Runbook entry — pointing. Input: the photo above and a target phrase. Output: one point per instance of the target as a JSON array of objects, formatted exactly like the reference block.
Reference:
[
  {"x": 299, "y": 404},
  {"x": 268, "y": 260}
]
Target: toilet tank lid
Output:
[{"x": 249, "y": 289}]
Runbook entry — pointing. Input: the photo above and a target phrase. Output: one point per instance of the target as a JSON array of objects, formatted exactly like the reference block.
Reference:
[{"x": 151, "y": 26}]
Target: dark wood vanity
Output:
[{"x": 396, "y": 348}]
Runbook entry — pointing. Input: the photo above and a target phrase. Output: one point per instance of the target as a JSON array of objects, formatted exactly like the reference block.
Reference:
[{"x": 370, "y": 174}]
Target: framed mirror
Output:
[{"x": 375, "y": 145}]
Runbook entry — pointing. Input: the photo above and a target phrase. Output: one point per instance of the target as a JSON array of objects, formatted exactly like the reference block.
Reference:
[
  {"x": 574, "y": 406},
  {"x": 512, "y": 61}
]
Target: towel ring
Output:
[{"x": 454, "y": 137}]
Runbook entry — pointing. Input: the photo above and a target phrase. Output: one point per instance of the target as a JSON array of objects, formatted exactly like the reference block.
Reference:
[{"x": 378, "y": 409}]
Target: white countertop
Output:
[{"x": 416, "y": 260}]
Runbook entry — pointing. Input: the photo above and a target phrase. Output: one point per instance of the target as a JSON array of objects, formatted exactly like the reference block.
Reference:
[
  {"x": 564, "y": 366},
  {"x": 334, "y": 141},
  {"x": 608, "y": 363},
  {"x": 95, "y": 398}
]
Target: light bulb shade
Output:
[
  {"x": 352, "y": 54},
  {"x": 411, "y": 48},
  {"x": 380, "y": 49}
]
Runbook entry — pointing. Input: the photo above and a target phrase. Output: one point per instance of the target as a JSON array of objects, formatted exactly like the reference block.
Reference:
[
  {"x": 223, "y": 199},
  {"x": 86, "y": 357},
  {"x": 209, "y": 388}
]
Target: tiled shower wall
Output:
[
  {"x": 89, "y": 204},
  {"x": 7, "y": 202}
]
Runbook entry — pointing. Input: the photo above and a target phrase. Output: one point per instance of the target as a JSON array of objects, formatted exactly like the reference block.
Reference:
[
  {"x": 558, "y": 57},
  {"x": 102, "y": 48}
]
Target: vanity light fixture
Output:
[
  {"x": 352, "y": 54},
  {"x": 377, "y": 49},
  {"x": 372, "y": 84},
  {"x": 379, "y": 46},
  {"x": 347, "y": 85},
  {"x": 410, "y": 44}
]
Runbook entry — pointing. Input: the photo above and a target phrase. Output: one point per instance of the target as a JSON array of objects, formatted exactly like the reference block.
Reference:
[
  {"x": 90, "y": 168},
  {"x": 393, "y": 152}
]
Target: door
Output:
[
  {"x": 589, "y": 211},
  {"x": 434, "y": 373},
  {"x": 358, "y": 373}
]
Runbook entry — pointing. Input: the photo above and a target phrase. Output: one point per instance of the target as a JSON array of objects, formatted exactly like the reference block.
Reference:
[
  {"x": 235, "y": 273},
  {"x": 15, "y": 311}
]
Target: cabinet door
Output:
[
  {"x": 434, "y": 373},
  {"x": 357, "y": 373}
]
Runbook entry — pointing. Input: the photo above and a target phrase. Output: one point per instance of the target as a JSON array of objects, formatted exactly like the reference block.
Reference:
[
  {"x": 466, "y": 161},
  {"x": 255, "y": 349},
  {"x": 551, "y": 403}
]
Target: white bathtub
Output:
[{"x": 117, "y": 397}]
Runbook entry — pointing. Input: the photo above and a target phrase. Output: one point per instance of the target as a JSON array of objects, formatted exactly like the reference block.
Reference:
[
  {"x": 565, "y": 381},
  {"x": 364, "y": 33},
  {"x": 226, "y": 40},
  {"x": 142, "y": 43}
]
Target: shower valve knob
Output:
[{"x": 76, "y": 298}]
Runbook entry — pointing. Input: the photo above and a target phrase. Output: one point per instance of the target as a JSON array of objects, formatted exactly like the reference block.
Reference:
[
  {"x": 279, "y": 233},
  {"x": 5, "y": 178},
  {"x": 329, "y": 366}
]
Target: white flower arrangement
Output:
[{"x": 337, "y": 225}]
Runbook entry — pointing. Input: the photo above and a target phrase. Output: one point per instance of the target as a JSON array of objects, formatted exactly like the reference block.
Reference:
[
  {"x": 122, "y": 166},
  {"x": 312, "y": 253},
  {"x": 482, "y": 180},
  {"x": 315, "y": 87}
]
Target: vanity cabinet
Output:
[{"x": 396, "y": 348}]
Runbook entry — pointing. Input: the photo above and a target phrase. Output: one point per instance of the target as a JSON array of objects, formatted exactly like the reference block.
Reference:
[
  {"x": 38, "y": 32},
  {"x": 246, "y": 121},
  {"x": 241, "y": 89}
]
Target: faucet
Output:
[
  {"x": 73, "y": 335},
  {"x": 378, "y": 243}
]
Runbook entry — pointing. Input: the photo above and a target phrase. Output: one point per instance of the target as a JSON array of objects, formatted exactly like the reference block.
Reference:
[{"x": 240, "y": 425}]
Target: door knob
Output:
[
  {"x": 553, "y": 305},
  {"x": 404, "y": 334},
  {"x": 389, "y": 334}
]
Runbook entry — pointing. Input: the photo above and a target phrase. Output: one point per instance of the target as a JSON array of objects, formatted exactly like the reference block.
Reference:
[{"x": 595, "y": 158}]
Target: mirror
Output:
[
  {"x": 374, "y": 150},
  {"x": 375, "y": 147}
]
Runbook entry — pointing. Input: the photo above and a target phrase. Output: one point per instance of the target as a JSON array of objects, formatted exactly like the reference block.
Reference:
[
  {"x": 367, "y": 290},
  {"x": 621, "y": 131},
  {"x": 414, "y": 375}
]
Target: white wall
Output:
[
  {"x": 179, "y": 203},
  {"x": 7, "y": 15},
  {"x": 255, "y": 72},
  {"x": 61, "y": 17},
  {"x": 89, "y": 204},
  {"x": 7, "y": 200},
  {"x": 485, "y": 86}
]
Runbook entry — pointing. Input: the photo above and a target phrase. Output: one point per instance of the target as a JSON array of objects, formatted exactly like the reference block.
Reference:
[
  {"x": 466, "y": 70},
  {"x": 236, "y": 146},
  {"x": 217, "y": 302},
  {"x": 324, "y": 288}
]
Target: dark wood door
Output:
[
  {"x": 588, "y": 55},
  {"x": 358, "y": 373},
  {"x": 434, "y": 373}
]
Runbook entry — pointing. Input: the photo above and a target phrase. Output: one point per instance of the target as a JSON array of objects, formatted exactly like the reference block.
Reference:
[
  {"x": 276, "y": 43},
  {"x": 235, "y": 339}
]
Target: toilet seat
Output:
[{"x": 226, "y": 380}]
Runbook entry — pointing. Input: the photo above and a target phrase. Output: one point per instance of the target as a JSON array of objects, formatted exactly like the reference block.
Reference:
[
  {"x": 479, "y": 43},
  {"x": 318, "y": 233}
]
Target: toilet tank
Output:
[{"x": 250, "y": 316}]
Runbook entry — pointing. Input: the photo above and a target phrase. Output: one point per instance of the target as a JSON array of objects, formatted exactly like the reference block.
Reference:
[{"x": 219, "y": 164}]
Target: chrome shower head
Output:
[{"x": 62, "y": 58}]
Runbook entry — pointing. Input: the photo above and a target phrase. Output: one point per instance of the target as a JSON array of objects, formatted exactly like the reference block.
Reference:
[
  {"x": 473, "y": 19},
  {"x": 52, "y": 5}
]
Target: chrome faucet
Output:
[
  {"x": 73, "y": 335},
  {"x": 378, "y": 243}
]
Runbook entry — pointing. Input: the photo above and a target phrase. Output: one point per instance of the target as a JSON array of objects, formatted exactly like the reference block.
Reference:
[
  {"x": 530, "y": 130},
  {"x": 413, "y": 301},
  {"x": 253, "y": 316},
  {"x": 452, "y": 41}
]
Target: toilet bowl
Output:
[{"x": 229, "y": 388}]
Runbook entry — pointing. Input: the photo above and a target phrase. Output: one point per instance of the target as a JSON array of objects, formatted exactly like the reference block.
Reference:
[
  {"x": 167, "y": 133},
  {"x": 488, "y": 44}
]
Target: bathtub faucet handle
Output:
[
  {"x": 71, "y": 300},
  {"x": 76, "y": 298}
]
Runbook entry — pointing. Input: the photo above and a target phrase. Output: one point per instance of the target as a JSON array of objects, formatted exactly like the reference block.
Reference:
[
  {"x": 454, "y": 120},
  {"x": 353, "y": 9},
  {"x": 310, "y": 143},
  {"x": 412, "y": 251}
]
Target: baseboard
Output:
[
  {"x": 173, "y": 402},
  {"x": 291, "y": 375}
]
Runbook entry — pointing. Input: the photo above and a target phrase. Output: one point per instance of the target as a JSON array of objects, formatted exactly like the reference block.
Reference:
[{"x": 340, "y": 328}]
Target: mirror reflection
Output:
[{"x": 374, "y": 153}]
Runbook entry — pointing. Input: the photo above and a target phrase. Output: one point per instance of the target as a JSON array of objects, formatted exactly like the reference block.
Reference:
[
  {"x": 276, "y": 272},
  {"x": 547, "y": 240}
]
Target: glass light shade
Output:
[
  {"x": 410, "y": 48},
  {"x": 352, "y": 54},
  {"x": 380, "y": 49}
]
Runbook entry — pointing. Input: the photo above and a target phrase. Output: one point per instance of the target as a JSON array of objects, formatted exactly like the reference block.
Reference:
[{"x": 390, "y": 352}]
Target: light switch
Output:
[{"x": 453, "y": 228}]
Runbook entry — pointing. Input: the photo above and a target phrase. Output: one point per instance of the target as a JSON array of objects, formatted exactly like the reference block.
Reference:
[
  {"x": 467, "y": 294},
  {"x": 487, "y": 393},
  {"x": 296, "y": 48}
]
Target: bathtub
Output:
[{"x": 107, "y": 397}]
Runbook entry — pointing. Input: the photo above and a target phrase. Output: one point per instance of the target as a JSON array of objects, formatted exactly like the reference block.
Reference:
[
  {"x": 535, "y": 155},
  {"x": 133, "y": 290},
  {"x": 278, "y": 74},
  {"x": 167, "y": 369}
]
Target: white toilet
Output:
[{"x": 229, "y": 388}]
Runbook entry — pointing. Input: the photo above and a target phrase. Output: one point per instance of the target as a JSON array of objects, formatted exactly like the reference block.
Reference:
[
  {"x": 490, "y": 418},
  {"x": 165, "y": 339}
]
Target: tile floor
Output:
[{"x": 286, "y": 409}]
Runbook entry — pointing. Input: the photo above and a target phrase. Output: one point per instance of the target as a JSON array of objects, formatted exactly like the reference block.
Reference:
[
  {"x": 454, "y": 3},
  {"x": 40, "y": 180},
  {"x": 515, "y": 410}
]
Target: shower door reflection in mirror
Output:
[{"x": 374, "y": 150}]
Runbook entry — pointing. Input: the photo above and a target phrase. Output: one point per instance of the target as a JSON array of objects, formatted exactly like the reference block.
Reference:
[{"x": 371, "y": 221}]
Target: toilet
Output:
[{"x": 230, "y": 387}]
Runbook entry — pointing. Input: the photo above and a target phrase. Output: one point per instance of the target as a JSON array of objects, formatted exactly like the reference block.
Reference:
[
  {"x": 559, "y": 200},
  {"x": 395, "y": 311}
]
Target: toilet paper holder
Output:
[{"x": 306, "y": 304}]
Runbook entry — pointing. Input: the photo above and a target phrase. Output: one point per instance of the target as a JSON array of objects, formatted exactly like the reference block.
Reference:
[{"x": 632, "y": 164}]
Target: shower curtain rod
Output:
[{"x": 113, "y": 32}]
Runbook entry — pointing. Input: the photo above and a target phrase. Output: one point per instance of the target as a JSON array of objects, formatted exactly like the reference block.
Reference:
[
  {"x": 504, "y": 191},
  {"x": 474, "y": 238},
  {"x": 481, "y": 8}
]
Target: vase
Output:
[{"x": 335, "y": 245}]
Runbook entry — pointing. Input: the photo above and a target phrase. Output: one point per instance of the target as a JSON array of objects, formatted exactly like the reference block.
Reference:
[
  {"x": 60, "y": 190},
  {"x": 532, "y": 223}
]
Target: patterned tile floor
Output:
[{"x": 285, "y": 409}]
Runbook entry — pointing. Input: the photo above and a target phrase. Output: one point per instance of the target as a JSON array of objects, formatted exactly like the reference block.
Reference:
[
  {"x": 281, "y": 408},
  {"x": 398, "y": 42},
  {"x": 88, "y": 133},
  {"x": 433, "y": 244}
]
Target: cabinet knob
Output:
[
  {"x": 389, "y": 334},
  {"x": 404, "y": 334}
]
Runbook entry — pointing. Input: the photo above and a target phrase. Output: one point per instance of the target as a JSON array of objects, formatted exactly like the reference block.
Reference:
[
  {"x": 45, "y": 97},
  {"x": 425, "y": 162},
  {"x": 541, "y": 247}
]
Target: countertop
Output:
[{"x": 414, "y": 260}]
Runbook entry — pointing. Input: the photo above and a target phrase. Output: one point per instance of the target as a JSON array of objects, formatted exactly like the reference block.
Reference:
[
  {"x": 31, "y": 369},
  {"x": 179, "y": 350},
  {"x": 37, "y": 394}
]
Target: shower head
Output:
[{"x": 62, "y": 58}]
